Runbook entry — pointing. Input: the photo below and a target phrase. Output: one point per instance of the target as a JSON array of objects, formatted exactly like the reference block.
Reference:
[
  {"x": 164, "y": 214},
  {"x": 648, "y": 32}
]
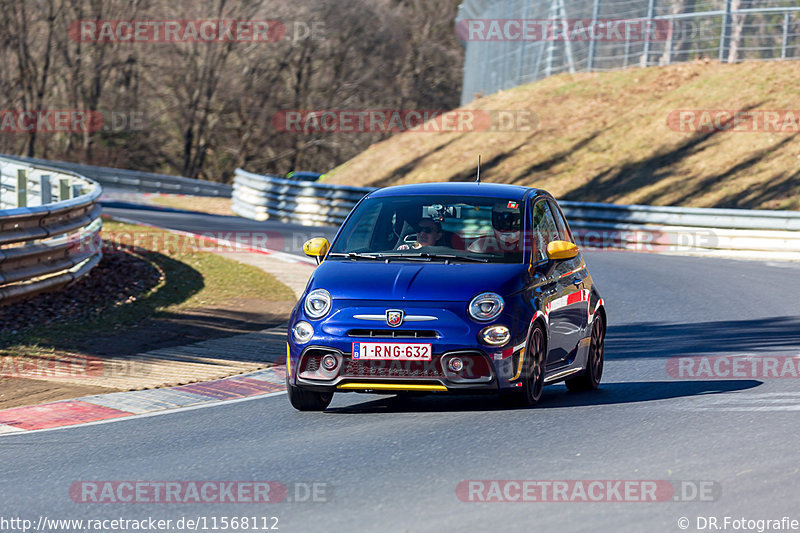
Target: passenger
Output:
[{"x": 429, "y": 232}]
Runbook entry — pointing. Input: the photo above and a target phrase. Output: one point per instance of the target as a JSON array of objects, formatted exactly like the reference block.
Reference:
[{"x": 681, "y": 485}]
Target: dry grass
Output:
[
  {"x": 200, "y": 204},
  {"x": 604, "y": 137}
]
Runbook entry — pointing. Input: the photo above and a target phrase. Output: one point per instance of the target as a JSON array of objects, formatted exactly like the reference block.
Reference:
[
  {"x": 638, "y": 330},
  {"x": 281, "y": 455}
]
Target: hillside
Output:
[{"x": 605, "y": 137}]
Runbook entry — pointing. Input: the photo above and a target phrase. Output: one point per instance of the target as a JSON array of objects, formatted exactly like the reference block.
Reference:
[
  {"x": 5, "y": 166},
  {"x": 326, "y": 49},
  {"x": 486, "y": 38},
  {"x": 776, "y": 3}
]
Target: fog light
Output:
[
  {"x": 495, "y": 335},
  {"x": 455, "y": 364},
  {"x": 302, "y": 332},
  {"x": 329, "y": 362}
]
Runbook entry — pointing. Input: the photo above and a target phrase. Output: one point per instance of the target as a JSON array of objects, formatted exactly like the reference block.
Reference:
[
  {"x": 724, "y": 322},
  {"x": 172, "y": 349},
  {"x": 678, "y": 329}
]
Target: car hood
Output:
[{"x": 360, "y": 280}]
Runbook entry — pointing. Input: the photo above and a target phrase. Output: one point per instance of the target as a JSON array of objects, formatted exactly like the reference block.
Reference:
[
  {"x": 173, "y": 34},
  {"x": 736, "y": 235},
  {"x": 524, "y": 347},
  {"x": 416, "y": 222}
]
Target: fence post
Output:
[
  {"x": 590, "y": 58},
  {"x": 45, "y": 192},
  {"x": 785, "y": 40},
  {"x": 568, "y": 41},
  {"x": 551, "y": 46},
  {"x": 63, "y": 189},
  {"x": 522, "y": 48},
  {"x": 22, "y": 188},
  {"x": 723, "y": 36},
  {"x": 646, "y": 53}
]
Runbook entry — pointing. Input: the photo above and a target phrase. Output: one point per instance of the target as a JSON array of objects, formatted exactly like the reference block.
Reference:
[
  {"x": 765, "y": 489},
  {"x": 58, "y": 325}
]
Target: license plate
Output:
[{"x": 392, "y": 351}]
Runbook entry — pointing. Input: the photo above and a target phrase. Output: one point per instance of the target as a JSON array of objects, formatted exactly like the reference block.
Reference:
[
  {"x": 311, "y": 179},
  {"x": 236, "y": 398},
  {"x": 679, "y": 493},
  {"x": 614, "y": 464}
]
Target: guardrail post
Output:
[
  {"x": 45, "y": 191},
  {"x": 22, "y": 188},
  {"x": 63, "y": 189}
]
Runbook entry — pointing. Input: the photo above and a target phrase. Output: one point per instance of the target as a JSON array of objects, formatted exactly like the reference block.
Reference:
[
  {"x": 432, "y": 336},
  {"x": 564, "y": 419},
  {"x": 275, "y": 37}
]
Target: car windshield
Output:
[{"x": 433, "y": 228}]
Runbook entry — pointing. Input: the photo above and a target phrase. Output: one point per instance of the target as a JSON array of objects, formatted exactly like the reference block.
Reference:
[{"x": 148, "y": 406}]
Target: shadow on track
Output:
[
  {"x": 648, "y": 339},
  {"x": 555, "y": 397}
]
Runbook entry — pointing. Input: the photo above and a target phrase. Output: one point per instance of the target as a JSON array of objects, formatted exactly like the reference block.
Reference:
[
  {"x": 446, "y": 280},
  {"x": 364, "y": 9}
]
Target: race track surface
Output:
[{"x": 389, "y": 465}]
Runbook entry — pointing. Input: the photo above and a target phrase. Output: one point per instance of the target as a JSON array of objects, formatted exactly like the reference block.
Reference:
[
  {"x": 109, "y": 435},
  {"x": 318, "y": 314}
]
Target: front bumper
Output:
[
  {"x": 443, "y": 325},
  {"x": 478, "y": 372}
]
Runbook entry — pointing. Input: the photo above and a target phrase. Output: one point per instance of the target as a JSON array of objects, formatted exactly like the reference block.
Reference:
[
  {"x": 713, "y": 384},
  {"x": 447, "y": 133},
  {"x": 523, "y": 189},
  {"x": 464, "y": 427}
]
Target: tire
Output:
[
  {"x": 590, "y": 379},
  {"x": 306, "y": 400},
  {"x": 533, "y": 374}
]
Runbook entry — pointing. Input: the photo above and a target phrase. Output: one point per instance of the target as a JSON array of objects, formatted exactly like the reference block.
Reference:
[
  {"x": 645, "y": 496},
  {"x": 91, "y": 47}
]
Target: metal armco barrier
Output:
[
  {"x": 737, "y": 233},
  {"x": 137, "y": 181},
  {"x": 261, "y": 197},
  {"x": 49, "y": 228}
]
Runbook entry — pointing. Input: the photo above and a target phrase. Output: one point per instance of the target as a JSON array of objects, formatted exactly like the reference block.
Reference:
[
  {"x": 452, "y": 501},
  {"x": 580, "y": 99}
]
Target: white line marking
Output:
[{"x": 147, "y": 415}]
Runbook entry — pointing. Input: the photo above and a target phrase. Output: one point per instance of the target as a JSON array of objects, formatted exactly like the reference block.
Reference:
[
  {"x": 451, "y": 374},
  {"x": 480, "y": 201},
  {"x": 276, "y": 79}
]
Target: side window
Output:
[
  {"x": 544, "y": 230},
  {"x": 561, "y": 224}
]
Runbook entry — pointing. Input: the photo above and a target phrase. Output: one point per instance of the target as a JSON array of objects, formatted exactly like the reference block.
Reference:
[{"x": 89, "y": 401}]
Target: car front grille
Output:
[
  {"x": 394, "y": 333},
  {"x": 392, "y": 369}
]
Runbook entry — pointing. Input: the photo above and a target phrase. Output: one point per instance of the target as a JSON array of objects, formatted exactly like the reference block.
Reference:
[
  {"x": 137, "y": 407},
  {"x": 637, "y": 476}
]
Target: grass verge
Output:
[
  {"x": 180, "y": 296},
  {"x": 605, "y": 137},
  {"x": 199, "y": 204}
]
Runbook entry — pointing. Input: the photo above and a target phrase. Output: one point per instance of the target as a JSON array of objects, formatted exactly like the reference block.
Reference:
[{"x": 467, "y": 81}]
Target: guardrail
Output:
[
  {"x": 738, "y": 233},
  {"x": 49, "y": 228},
  {"x": 260, "y": 197},
  {"x": 134, "y": 180}
]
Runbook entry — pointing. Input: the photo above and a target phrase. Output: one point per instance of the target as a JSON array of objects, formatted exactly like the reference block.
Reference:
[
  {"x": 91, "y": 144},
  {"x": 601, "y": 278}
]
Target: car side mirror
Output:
[
  {"x": 561, "y": 250},
  {"x": 316, "y": 248}
]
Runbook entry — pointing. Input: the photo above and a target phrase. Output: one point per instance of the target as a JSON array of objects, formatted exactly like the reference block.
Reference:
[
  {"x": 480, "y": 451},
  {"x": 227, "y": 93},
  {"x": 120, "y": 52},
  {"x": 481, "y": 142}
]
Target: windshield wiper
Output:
[
  {"x": 355, "y": 255},
  {"x": 430, "y": 257}
]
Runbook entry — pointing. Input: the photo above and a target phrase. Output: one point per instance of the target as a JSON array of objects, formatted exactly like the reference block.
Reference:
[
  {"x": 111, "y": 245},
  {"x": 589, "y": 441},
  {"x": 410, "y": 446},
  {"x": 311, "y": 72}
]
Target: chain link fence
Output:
[{"x": 512, "y": 42}]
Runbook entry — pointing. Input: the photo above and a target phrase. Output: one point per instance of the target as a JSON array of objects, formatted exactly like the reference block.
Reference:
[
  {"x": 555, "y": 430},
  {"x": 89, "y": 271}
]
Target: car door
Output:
[
  {"x": 550, "y": 285},
  {"x": 575, "y": 286}
]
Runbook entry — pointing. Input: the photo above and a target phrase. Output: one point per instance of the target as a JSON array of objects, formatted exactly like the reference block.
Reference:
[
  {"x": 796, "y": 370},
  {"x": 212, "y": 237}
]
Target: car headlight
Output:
[
  {"x": 302, "y": 332},
  {"x": 495, "y": 335},
  {"x": 318, "y": 303},
  {"x": 486, "y": 306}
]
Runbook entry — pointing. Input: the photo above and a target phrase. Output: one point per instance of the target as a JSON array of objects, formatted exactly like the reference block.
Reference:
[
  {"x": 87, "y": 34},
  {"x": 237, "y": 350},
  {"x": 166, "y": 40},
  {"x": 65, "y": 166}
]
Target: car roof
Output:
[{"x": 485, "y": 189}]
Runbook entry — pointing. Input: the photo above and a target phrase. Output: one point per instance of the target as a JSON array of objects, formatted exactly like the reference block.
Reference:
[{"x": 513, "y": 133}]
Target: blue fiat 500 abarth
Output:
[{"x": 447, "y": 287}]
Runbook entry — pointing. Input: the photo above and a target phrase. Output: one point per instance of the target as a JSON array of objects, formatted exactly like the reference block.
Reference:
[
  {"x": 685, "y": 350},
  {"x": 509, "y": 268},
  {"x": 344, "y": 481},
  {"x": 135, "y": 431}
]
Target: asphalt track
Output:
[{"x": 395, "y": 466}]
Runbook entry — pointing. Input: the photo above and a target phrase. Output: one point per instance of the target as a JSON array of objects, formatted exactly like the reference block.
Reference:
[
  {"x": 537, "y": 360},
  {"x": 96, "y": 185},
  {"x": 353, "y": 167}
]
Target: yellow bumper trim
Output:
[
  {"x": 521, "y": 363},
  {"x": 390, "y": 386}
]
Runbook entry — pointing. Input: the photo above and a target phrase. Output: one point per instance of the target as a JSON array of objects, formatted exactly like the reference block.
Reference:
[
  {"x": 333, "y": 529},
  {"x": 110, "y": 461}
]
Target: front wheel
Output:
[
  {"x": 533, "y": 372},
  {"x": 307, "y": 400},
  {"x": 590, "y": 379}
]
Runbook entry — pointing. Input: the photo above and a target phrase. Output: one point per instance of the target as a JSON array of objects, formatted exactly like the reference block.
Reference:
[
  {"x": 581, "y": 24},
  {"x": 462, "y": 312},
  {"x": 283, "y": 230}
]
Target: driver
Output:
[
  {"x": 506, "y": 232},
  {"x": 429, "y": 232}
]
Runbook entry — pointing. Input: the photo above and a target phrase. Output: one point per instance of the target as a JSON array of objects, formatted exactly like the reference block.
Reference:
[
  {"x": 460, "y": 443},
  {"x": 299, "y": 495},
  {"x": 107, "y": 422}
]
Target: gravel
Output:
[{"x": 119, "y": 278}]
